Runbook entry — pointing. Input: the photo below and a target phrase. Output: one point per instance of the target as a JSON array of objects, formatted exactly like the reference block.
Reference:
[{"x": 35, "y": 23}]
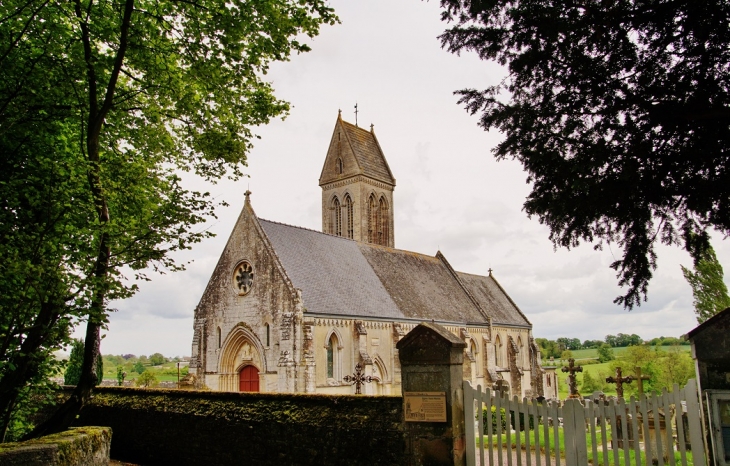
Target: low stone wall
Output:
[
  {"x": 200, "y": 427},
  {"x": 84, "y": 446}
]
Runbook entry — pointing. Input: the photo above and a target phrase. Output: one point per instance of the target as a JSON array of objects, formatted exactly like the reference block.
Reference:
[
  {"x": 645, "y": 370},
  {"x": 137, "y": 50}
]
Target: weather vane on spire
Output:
[{"x": 355, "y": 113}]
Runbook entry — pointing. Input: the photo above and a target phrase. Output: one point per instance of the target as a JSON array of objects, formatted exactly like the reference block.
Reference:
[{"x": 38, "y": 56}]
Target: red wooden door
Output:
[{"x": 248, "y": 379}]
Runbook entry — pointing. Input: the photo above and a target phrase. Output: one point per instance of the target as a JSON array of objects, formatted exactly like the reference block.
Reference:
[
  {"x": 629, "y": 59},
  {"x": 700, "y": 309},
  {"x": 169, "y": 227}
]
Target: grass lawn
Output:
[{"x": 593, "y": 461}]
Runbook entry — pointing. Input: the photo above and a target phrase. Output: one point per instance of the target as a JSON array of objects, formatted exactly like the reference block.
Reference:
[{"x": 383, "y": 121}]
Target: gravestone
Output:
[{"x": 432, "y": 374}]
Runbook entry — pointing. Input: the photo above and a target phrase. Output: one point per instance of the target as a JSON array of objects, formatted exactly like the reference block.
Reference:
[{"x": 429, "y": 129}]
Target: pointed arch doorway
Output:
[{"x": 248, "y": 379}]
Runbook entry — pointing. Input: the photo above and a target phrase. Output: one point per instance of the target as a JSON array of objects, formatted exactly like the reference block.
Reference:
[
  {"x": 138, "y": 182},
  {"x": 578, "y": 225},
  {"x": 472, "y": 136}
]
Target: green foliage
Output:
[
  {"x": 674, "y": 366},
  {"x": 146, "y": 379},
  {"x": 589, "y": 384},
  {"x": 605, "y": 353},
  {"x": 667, "y": 341},
  {"x": 618, "y": 113},
  {"x": 157, "y": 359},
  {"x": 565, "y": 355},
  {"x": 104, "y": 104},
  {"x": 708, "y": 286},
  {"x": 75, "y": 361},
  {"x": 548, "y": 348},
  {"x": 622, "y": 339},
  {"x": 490, "y": 416},
  {"x": 138, "y": 367},
  {"x": 120, "y": 375},
  {"x": 664, "y": 368}
]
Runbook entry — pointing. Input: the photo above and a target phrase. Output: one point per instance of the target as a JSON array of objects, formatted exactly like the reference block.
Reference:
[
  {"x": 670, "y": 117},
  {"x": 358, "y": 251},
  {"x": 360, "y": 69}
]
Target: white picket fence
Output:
[{"x": 589, "y": 431}]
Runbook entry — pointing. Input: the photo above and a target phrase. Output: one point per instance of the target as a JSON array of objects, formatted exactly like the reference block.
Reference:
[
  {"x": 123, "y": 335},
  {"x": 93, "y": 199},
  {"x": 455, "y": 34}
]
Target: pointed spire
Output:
[
  {"x": 339, "y": 113},
  {"x": 248, "y": 196}
]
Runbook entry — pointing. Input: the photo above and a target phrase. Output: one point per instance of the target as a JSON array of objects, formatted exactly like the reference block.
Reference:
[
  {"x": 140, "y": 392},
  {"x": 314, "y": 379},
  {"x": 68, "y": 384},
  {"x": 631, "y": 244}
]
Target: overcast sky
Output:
[{"x": 451, "y": 195}]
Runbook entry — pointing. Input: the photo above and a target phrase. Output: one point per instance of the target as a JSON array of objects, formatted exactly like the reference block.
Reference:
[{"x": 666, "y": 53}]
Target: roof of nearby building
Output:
[
  {"x": 340, "y": 276},
  {"x": 491, "y": 296},
  {"x": 368, "y": 153}
]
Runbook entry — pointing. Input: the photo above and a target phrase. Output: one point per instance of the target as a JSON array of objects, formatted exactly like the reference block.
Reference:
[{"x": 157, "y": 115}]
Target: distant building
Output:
[{"x": 289, "y": 309}]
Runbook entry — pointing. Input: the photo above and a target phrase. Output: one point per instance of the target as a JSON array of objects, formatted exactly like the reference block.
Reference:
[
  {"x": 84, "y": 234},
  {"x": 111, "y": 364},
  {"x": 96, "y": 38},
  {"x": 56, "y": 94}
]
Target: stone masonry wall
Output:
[{"x": 196, "y": 427}]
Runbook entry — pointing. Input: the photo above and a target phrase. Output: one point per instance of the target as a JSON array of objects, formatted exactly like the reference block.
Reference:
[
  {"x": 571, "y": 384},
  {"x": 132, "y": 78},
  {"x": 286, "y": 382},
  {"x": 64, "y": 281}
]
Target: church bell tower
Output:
[{"x": 357, "y": 187}]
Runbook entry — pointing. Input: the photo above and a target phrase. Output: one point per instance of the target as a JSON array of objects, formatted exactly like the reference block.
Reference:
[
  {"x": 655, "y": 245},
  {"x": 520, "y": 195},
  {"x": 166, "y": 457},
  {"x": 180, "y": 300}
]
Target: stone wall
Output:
[
  {"x": 86, "y": 446},
  {"x": 202, "y": 427}
]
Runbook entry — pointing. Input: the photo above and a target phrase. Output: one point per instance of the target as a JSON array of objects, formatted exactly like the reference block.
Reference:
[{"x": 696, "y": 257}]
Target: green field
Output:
[
  {"x": 593, "y": 353},
  {"x": 586, "y": 359}
]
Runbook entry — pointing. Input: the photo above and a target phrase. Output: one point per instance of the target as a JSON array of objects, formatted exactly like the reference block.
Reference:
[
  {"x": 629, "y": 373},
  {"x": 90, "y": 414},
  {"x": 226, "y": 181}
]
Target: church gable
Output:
[{"x": 246, "y": 273}]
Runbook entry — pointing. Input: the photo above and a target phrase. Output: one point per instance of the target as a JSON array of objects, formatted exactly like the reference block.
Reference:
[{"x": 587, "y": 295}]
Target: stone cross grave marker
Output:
[
  {"x": 619, "y": 380},
  {"x": 572, "y": 383},
  {"x": 640, "y": 379}
]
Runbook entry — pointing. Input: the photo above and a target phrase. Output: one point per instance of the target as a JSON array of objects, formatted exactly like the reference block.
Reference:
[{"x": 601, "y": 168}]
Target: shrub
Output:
[
  {"x": 488, "y": 417},
  {"x": 146, "y": 379}
]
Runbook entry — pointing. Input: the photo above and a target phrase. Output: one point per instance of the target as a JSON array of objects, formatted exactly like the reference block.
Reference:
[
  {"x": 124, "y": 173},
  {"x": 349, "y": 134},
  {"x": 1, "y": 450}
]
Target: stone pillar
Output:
[
  {"x": 432, "y": 375},
  {"x": 308, "y": 362}
]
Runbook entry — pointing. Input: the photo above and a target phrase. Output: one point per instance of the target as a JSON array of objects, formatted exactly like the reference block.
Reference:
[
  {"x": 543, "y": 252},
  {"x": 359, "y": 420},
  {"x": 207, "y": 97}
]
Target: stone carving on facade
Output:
[
  {"x": 286, "y": 323},
  {"x": 246, "y": 352}
]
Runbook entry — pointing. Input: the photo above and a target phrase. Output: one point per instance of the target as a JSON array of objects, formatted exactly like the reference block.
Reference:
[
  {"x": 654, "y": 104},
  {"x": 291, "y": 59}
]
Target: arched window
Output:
[
  {"x": 521, "y": 347},
  {"x": 219, "y": 337},
  {"x": 498, "y": 352},
  {"x": 350, "y": 217},
  {"x": 339, "y": 166},
  {"x": 333, "y": 349},
  {"x": 268, "y": 335},
  {"x": 383, "y": 222},
  {"x": 372, "y": 213},
  {"x": 336, "y": 218}
]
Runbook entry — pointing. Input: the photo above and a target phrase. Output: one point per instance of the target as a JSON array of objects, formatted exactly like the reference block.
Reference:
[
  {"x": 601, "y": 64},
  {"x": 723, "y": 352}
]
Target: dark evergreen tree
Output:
[{"x": 618, "y": 111}]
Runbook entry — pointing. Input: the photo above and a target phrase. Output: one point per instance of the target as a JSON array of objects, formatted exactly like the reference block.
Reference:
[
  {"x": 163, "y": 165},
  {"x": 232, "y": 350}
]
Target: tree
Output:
[
  {"x": 146, "y": 379},
  {"x": 157, "y": 359},
  {"x": 565, "y": 355},
  {"x": 138, "y": 367},
  {"x": 120, "y": 375},
  {"x": 72, "y": 375},
  {"x": 618, "y": 111},
  {"x": 75, "y": 360},
  {"x": 708, "y": 287},
  {"x": 605, "y": 353},
  {"x": 102, "y": 104},
  {"x": 590, "y": 384},
  {"x": 674, "y": 367}
]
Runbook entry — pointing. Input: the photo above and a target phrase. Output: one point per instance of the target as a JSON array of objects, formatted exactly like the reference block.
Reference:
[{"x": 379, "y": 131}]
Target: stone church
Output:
[{"x": 289, "y": 309}]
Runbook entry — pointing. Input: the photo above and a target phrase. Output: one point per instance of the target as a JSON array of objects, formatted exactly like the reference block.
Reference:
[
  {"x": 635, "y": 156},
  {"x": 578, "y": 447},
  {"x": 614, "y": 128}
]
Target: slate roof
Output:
[
  {"x": 421, "y": 285},
  {"x": 340, "y": 276},
  {"x": 367, "y": 152},
  {"x": 333, "y": 275},
  {"x": 491, "y": 296}
]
